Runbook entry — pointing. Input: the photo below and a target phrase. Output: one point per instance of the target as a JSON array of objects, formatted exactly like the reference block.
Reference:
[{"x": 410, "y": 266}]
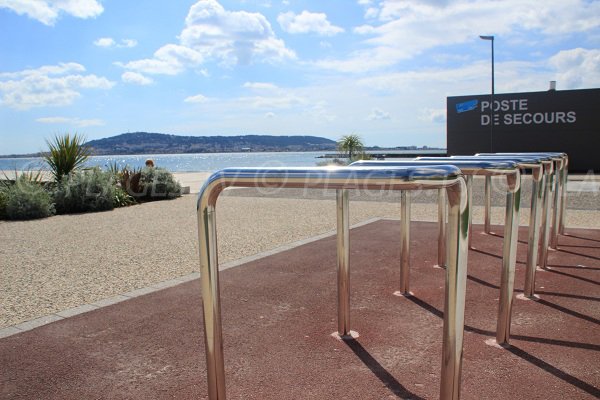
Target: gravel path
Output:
[{"x": 61, "y": 262}]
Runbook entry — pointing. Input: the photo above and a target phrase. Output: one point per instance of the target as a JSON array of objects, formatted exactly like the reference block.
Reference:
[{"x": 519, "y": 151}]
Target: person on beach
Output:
[{"x": 149, "y": 163}]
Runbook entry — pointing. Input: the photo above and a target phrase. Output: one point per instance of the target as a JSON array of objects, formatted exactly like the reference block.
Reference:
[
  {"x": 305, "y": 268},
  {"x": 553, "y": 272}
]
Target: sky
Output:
[{"x": 381, "y": 69}]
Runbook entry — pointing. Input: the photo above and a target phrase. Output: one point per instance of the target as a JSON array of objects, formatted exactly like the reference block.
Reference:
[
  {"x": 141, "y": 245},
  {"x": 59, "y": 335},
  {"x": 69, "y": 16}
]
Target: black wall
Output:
[{"x": 564, "y": 120}]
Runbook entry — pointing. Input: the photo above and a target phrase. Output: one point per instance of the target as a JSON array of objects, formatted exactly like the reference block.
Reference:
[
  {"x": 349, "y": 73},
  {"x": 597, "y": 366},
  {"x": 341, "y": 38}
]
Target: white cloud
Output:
[
  {"x": 407, "y": 28},
  {"x": 77, "y": 122},
  {"x": 196, "y": 99},
  {"x": 50, "y": 85},
  {"x": 129, "y": 43},
  {"x": 307, "y": 22},
  {"x": 211, "y": 32},
  {"x": 136, "y": 78},
  {"x": 284, "y": 101},
  {"x": 577, "y": 68},
  {"x": 110, "y": 42},
  {"x": 435, "y": 115},
  {"x": 170, "y": 59},
  {"x": 104, "y": 42},
  {"x": 232, "y": 37},
  {"x": 260, "y": 86},
  {"x": 372, "y": 12},
  {"x": 48, "y": 11},
  {"x": 378, "y": 114},
  {"x": 270, "y": 115}
]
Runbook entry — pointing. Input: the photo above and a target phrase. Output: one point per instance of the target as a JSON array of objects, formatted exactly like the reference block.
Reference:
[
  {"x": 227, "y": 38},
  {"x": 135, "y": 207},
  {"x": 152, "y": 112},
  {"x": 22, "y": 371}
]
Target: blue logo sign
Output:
[{"x": 466, "y": 106}]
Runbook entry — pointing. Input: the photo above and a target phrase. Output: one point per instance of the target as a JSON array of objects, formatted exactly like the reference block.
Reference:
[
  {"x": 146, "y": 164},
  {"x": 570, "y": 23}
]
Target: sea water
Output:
[{"x": 206, "y": 162}]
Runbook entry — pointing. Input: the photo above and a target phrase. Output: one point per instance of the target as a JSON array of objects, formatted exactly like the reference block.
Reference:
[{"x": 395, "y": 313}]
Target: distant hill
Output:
[{"x": 159, "y": 143}]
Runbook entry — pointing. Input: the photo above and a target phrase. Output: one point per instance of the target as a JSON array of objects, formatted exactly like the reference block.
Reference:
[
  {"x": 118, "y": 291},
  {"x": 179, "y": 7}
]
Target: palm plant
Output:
[
  {"x": 66, "y": 154},
  {"x": 350, "y": 145}
]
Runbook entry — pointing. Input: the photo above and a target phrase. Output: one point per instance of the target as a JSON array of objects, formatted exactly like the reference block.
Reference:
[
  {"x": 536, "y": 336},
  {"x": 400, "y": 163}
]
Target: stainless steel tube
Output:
[
  {"x": 456, "y": 283},
  {"x": 343, "y": 262},
  {"x": 442, "y": 228},
  {"x": 488, "y": 205},
  {"x": 557, "y": 197},
  {"x": 509, "y": 258},
  {"x": 404, "y": 242},
  {"x": 470, "y": 194},
  {"x": 535, "y": 218},
  {"x": 211, "y": 302},
  {"x": 563, "y": 209},
  {"x": 545, "y": 230}
]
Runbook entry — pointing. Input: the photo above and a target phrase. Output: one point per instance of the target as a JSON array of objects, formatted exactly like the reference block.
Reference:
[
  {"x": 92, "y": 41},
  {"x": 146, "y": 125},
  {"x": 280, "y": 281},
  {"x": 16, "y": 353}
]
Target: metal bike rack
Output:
[
  {"x": 541, "y": 167},
  {"x": 561, "y": 163},
  {"x": 342, "y": 179},
  {"x": 471, "y": 168}
]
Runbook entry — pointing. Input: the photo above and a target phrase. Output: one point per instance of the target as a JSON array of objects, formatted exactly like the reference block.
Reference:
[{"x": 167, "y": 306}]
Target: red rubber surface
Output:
[{"x": 279, "y": 312}]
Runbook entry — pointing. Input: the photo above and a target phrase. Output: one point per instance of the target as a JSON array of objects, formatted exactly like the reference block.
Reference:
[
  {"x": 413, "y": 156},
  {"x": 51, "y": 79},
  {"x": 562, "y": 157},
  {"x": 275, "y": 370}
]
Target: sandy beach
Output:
[{"x": 65, "y": 261}]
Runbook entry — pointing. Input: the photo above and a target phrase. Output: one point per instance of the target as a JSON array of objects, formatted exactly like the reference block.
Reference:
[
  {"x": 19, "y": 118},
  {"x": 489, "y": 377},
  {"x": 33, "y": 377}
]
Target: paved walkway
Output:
[{"x": 279, "y": 312}]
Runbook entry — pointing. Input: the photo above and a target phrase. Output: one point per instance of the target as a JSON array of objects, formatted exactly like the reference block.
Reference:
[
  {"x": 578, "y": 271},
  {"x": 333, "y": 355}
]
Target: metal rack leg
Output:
[
  {"x": 509, "y": 259},
  {"x": 343, "y": 259},
  {"x": 442, "y": 228},
  {"x": 545, "y": 230},
  {"x": 557, "y": 205},
  {"x": 537, "y": 193},
  {"x": 470, "y": 195},
  {"x": 454, "y": 301},
  {"x": 405, "y": 242},
  {"x": 211, "y": 304},
  {"x": 488, "y": 204}
]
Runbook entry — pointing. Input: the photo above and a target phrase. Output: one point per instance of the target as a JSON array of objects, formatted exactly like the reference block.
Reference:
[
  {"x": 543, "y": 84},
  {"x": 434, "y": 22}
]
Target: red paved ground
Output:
[{"x": 279, "y": 313}]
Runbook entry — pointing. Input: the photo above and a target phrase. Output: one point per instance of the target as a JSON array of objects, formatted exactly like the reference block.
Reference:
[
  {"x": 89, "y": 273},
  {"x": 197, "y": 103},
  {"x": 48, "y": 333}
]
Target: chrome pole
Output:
[
  {"x": 509, "y": 257},
  {"x": 404, "y": 242},
  {"x": 456, "y": 283},
  {"x": 537, "y": 193},
  {"x": 470, "y": 196},
  {"x": 545, "y": 231},
  {"x": 343, "y": 258},
  {"x": 488, "y": 204},
  {"x": 442, "y": 228},
  {"x": 557, "y": 203},
  {"x": 563, "y": 209},
  {"x": 211, "y": 304}
]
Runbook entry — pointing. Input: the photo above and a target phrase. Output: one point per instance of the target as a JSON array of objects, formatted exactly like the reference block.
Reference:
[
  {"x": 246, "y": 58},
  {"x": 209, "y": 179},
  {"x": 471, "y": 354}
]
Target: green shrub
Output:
[
  {"x": 158, "y": 183},
  {"x": 82, "y": 191},
  {"x": 3, "y": 202},
  {"x": 122, "y": 198},
  {"x": 27, "y": 200},
  {"x": 66, "y": 154}
]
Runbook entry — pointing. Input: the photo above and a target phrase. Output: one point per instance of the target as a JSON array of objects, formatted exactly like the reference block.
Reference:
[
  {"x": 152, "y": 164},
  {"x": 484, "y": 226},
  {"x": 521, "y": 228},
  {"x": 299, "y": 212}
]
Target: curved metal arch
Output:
[{"x": 445, "y": 177}]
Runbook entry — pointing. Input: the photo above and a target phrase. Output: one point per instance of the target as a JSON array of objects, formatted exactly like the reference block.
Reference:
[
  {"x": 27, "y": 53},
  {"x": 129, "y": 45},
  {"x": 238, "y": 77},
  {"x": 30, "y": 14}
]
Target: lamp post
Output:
[{"x": 491, "y": 39}]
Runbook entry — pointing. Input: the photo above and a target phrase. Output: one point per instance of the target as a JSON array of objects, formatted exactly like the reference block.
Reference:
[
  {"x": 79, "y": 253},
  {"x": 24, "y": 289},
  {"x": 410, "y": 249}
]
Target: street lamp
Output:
[{"x": 491, "y": 39}]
